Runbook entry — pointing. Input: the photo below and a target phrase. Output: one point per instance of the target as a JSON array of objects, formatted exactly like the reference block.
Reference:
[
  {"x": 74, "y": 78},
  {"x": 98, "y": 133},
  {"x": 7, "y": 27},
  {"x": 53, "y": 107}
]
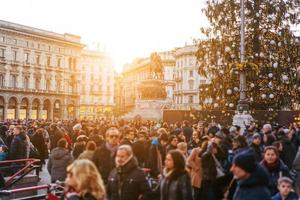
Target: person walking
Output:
[
  {"x": 60, "y": 158},
  {"x": 252, "y": 179},
  {"x": 104, "y": 156},
  {"x": 127, "y": 181},
  {"x": 175, "y": 183}
]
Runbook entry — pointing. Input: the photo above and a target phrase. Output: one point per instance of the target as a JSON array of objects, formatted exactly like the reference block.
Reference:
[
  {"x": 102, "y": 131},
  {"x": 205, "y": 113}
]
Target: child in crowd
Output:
[{"x": 285, "y": 186}]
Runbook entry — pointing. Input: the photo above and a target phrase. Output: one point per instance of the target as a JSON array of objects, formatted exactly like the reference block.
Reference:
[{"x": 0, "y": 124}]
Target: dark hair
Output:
[
  {"x": 186, "y": 123},
  {"x": 274, "y": 148},
  {"x": 225, "y": 131},
  {"x": 171, "y": 138},
  {"x": 163, "y": 137},
  {"x": 240, "y": 140},
  {"x": 39, "y": 131},
  {"x": 91, "y": 146},
  {"x": 178, "y": 160},
  {"x": 62, "y": 142}
]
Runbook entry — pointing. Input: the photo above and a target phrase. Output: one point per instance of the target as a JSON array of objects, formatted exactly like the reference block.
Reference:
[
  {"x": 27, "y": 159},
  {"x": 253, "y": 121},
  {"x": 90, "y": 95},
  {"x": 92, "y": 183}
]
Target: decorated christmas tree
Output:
[{"x": 272, "y": 53}]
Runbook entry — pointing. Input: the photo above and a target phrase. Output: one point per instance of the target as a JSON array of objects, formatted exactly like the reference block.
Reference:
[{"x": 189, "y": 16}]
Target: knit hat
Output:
[
  {"x": 77, "y": 127},
  {"x": 256, "y": 135},
  {"x": 245, "y": 160}
]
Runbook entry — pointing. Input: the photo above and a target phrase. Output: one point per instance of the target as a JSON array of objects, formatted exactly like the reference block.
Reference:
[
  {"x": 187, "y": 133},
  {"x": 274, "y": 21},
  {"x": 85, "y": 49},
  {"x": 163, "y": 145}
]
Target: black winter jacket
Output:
[
  {"x": 176, "y": 187},
  {"x": 18, "y": 147},
  {"x": 127, "y": 182},
  {"x": 254, "y": 187},
  {"x": 104, "y": 161}
]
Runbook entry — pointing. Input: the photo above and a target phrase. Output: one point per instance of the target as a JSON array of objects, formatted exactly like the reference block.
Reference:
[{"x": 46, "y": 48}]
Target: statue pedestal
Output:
[
  {"x": 242, "y": 119},
  {"x": 147, "y": 109}
]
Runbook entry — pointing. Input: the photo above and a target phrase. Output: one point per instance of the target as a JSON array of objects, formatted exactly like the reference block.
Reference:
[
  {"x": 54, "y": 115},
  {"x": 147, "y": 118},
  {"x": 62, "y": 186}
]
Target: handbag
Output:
[
  {"x": 34, "y": 153},
  {"x": 219, "y": 168}
]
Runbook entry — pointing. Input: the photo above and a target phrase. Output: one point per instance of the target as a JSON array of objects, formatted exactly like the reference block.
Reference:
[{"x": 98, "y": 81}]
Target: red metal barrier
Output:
[{"x": 29, "y": 166}]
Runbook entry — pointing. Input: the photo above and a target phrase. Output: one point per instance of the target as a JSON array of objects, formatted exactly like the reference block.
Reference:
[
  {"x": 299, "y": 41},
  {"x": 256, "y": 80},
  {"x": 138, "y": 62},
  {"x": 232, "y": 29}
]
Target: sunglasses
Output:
[{"x": 114, "y": 136}]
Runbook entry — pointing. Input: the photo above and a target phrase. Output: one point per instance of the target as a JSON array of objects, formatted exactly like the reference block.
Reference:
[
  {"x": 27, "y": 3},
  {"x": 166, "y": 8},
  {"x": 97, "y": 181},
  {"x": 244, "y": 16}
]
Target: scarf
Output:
[{"x": 272, "y": 166}]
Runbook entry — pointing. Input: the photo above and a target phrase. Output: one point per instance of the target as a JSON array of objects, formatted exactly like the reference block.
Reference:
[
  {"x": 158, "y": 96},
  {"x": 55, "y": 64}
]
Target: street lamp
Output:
[
  {"x": 243, "y": 101},
  {"x": 242, "y": 117}
]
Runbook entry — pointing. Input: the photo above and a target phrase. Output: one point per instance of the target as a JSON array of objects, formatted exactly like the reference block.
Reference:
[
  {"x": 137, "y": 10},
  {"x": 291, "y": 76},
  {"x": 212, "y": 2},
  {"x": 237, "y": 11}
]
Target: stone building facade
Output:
[
  {"x": 38, "y": 73},
  {"x": 97, "y": 84},
  {"x": 186, "y": 93}
]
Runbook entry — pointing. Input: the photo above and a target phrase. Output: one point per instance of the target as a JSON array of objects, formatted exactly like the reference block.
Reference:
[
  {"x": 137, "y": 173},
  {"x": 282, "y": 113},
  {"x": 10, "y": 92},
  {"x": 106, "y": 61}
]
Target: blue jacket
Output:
[
  {"x": 254, "y": 187},
  {"x": 291, "y": 196}
]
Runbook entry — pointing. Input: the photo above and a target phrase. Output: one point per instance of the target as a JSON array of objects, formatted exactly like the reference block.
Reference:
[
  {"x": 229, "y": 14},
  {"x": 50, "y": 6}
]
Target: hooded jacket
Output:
[
  {"x": 254, "y": 187},
  {"x": 59, "y": 159},
  {"x": 127, "y": 182}
]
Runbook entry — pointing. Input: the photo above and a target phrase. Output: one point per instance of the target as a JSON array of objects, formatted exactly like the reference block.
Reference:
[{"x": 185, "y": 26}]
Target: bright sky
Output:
[{"x": 125, "y": 28}]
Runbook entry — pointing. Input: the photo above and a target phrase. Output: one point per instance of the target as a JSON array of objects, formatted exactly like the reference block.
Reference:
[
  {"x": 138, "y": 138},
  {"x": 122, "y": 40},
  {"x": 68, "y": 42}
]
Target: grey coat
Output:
[{"x": 59, "y": 159}]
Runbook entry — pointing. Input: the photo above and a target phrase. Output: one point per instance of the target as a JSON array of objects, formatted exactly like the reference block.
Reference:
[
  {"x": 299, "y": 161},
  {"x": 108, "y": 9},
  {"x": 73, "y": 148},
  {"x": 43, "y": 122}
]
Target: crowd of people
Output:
[{"x": 119, "y": 160}]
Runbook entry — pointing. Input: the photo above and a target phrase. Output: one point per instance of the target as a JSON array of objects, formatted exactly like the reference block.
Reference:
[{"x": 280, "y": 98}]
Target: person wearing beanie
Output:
[
  {"x": 252, "y": 179},
  {"x": 256, "y": 146}
]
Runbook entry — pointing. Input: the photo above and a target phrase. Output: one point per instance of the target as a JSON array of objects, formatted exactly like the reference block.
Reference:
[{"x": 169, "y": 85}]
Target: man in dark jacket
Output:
[
  {"x": 104, "y": 156},
  {"x": 187, "y": 130},
  {"x": 55, "y": 135},
  {"x": 256, "y": 147},
  {"x": 252, "y": 180},
  {"x": 127, "y": 181},
  {"x": 141, "y": 148},
  {"x": 18, "y": 146}
]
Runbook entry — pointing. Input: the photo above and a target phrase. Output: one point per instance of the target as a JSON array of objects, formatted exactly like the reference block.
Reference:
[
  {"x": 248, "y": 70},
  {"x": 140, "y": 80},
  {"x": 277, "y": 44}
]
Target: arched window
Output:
[
  {"x": 70, "y": 63},
  {"x": 26, "y": 82},
  {"x": 1, "y": 80},
  {"x": 13, "y": 80},
  {"x": 58, "y": 62},
  {"x": 37, "y": 83},
  {"x": 48, "y": 61},
  {"x": 58, "y": 85},
  {"x": 191, "y": 85},
  {"x": 48, "y": 84}
]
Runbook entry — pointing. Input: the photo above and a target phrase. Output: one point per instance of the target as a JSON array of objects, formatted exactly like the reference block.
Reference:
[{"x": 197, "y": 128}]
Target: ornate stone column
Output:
[
  {"x": 50, "y": 114},
  {"x": 77, "y": 111},
  {"x": 18, "y": 111},
  {"x": 5, "y": 110},
  {"x": 39, "y": 111},
  {"x": 64, "y": 111},
  {"x": 28, "y": 112}
]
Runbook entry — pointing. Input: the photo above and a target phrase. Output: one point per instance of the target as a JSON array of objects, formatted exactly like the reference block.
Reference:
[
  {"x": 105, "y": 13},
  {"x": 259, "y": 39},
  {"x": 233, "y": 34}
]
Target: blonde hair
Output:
[
  {"x": 182, "y": 146},
  {"x": 87, "y": 178}
]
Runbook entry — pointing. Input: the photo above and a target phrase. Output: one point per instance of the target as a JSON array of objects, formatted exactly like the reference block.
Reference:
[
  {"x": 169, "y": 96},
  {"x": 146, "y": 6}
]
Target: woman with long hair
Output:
[
  {"x": 175, "y": 183},
  {"x": 84, "y": 182}
]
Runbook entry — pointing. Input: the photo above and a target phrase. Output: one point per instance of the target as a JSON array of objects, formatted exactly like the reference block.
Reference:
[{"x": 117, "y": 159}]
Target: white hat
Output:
[
  {"x": 77, "y": 127},
  {"x": 233, "y": 129}
]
